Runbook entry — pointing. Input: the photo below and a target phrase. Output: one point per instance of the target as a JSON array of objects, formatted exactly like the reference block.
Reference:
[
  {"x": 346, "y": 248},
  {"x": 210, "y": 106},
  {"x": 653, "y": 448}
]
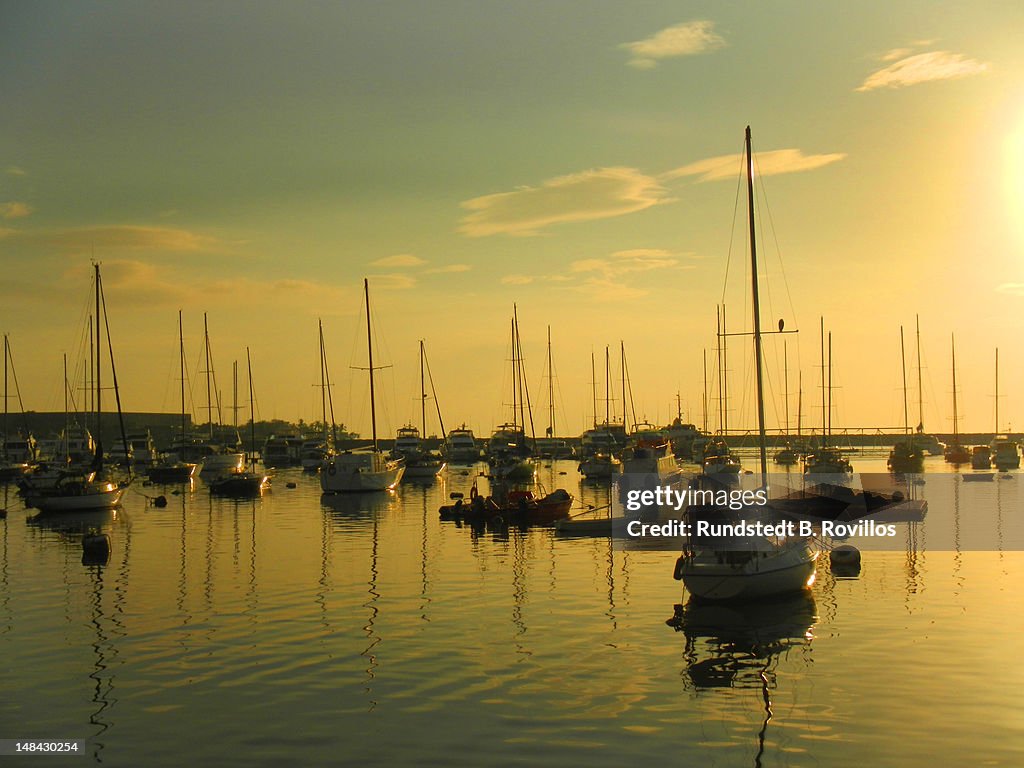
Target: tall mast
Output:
[
  {"x": 323, "y": 383},
  {"x": 67, "y": 425},
  {"x": 234, "y": 394},
  {"x": 725, "y": 377},
  {"x": 956, "y": 437},
  {"x": 252, "y": 409},
  {"x": 757, "y": 313},
  {"x": 824, "y": 412},
  {"x": 721, "y": 387},
  {"x": 181, "y": 360},
  {"x": 607, "y": 386},
  {"x": 593, "y": 385},
  {"x": 903, "y": 368},
  {"x": 369, "y": 347},
  {"x": 423, "y": 394},
  {"x": 97, "y": 375},
  {"x": 622, "y": 365},
  {"x": 997, "y": 390},
  {"x": 209, "y": 396},
  {"x": 551, "y": 390},
  {"x": 5, "y": 398},
  {"x": 799, "y": 400},
  {"x": 785, "y": 381},
  {"x": 920, "y": 389},
  {"x": 830, "y": 382},
  {"x": 704, "y": 393}
]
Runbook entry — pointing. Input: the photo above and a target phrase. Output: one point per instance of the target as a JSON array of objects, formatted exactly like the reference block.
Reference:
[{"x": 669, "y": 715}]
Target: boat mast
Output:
[
  {"x": 252, "y": 410},
  {"x": 824, "y": 412},
  {"x": 721, "y": 387},
  {"x": 920, "y": 388},
  {"x": 704, "y": 392},
  {"x": 956, "y": 435},
  {"x": 593, "y": 385},
  {"x": 181, "y": 360},
  {"x": 799, "y": 401},
  {"x": 785, "y": 381},
  {"x": 997, "y": 391},
  {"x": 323, "y": 383},
  {"x": 551, "y": 390},
  {"x": 67, "y": 425},
  {"x": 903, "y": 369},
  {"x": 607, "y": 386},
  {"x": 423, "y": 395},
  {"x": 209, "y": 397},
  {"x": 369, "y": 348},
  {"x": 5, "y": 399},
  {"x": 757, "y": 314},
  {"x": 830, "y": 383},
  {"x": 97, "y": 376}
]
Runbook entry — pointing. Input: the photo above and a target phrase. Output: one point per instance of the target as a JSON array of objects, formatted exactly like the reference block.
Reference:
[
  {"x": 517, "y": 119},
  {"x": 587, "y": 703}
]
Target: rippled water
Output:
[{"x": 364, "y": 630}]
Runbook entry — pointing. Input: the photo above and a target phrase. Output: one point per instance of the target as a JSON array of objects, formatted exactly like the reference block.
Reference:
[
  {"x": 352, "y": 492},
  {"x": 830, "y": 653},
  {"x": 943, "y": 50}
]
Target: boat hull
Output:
[
  {"x": 361, "y": 474},
  {"x": 711, "y": 577}
]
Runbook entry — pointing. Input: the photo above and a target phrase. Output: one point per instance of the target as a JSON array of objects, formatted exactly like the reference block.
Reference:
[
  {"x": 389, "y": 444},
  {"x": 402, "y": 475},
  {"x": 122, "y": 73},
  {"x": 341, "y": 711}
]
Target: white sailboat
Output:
[
  {"x": 246, "y": 481},
  {"x": 751, "y": 567},
  {"x": 173, "y": 468},
  {"x": 356, "y": 471},
  {"x": 86, "y": 491},
  {"x": 420, "y": 462}
]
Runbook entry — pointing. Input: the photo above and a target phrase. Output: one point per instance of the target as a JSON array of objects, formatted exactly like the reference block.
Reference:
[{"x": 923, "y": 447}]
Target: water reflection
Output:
[{"x": 740, "y": 647}]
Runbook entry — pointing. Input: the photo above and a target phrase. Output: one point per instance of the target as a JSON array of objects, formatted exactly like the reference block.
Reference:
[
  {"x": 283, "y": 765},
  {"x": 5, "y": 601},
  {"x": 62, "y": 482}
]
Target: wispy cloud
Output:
[
  {"x": 688, "y": 39},
  {"x": 393, "y": 281},
  {"x": 14, "y": 170},
  {"x": 447, "y": 270},
  {"x": 15, "y": 210},
  {"x": 768, "y": 163},
  {"x": 921, "y": 68},
  {"x": 516, "y": 280},
  {"x": 399, "y": 260},
  {"x": 118, "y": 238},
  {"x": 624, "y": 262},
  {"x": 585, "y": 196},
  {"x": 1015, "y": 289}
]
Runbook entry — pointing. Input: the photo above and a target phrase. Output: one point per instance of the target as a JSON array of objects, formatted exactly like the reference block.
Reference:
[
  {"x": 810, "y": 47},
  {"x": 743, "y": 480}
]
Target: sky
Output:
[{"x": 577, "y": 160}]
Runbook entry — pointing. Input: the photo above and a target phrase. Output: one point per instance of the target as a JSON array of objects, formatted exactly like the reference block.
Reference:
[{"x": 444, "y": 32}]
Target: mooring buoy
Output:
[{"x": 95, "y": 549}]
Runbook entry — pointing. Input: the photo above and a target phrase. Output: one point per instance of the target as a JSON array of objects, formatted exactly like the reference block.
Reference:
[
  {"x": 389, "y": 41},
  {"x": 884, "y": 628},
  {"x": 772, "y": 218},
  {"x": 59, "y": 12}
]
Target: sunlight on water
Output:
[{"x": 365, "y": 630}]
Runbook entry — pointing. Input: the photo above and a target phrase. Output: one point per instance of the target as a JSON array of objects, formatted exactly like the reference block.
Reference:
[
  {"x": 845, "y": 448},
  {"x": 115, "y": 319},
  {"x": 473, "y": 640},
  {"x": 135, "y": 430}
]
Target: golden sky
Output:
[{"x": 257, "y": 161}]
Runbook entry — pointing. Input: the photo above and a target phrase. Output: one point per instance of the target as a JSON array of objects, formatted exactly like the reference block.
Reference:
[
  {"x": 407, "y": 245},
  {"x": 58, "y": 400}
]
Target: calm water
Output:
[{"x": 366, "y": 631}]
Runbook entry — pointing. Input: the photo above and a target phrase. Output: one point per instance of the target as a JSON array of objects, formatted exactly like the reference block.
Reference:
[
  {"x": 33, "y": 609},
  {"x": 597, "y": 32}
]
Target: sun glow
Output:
[{"x": 1014, "y": 180}]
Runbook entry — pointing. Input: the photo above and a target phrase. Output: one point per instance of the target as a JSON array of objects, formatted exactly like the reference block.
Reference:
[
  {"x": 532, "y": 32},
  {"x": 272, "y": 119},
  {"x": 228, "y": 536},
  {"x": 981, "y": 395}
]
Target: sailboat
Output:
[
  {"x": 826, "y": 460},
  {"x": 905, "y": 456},
  {"x": 717, "y": 459},
  {"x": 954, "y": 452},
  {"x": 757, "y": 566},
  {"x": 355, "y": 471},
  {"x": 786, "y": 456},
  {"x": 87, "y": 490},
  {"x": 923, "y": 441},
  {"x": 315, "y": 450},
  {"x": 508, "y": 456},
  {"x": 18, "y": 452},
  {"x": 246, "y": 480},
  {"x": 1005, "y": 453},
  {"x": 173, "y": 468},
  {"x": 223, "y": 455},
  {"x": 420, "y": 463},
  {"x": 599, "y": 445}
]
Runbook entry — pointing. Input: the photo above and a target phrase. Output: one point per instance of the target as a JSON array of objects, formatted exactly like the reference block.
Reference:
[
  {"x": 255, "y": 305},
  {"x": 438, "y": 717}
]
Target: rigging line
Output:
[
  {"x": 437, "y": 404},
  {"x": 732, "y": 229},
  {"x": 113, "y": 376},
  {"x": 17, "y": 390}
]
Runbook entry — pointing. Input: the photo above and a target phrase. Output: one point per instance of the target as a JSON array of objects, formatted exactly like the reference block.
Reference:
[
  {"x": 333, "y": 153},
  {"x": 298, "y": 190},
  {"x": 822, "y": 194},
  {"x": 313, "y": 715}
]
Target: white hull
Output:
[
  {"x": 358, "y": 473},
  {"x": 105, "y": 496},
  {"x": 223, "y": 462},
  {"x": 787, "y": 569}
]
